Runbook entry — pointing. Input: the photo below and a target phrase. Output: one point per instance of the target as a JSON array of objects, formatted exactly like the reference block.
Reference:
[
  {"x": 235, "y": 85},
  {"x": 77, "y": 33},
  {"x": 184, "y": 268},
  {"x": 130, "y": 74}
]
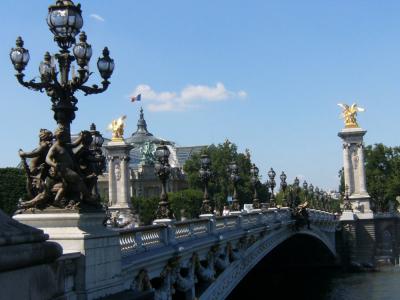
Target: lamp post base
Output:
[{"x": 163, "y": 221}]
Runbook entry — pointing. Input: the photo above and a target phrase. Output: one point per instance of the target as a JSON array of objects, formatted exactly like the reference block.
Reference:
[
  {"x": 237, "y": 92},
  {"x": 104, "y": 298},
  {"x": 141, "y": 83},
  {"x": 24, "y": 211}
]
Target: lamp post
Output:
[
  {"x": 65, "y": 22},
  {"x": 311, "y": 193},
  {"x": 205, "y": 175},
  {"x": 255, "y": 181},
  {"x": 283, "y": 188},
  {"x": 305, "y": 190},
  {"x": 272, "y": 184},
  {"x": 163, "y": 169},
  {"x": 99, "y": 161},
  {"x": 296, "y": 186},
  {"x": 68, "y": 185},
  {"x": 234, "y": 178}
]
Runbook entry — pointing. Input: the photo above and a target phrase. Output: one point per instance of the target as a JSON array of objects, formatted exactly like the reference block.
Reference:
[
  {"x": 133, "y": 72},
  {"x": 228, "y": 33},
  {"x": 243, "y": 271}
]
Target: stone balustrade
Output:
[
  {"x": 146, "y": 238},
  {"x": 154, "y": 251}
]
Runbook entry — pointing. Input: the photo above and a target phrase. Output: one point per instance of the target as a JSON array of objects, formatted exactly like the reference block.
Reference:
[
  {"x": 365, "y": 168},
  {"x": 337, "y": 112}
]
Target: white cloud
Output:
[
  {"x": 97, "y": 17},
  {"x": 189, "y": 97}
]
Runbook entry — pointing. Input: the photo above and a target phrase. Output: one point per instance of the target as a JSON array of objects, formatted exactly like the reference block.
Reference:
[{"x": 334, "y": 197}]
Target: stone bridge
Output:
[
  {"x": 207, "y": 258},
  {"x": 203, "y": 258}
]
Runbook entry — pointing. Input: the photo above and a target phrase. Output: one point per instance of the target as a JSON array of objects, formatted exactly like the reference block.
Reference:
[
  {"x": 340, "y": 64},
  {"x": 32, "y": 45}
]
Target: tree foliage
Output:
[
  {"x": 12, "y": 188},
  {"x": 382, "y": 165},
  {"x": 185, "y": 203},
  {"x": 145, "y": 208}
]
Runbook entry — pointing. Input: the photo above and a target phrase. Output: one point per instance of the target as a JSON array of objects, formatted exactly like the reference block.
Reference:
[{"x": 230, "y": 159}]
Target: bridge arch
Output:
[{"x": 272, "y": 244}]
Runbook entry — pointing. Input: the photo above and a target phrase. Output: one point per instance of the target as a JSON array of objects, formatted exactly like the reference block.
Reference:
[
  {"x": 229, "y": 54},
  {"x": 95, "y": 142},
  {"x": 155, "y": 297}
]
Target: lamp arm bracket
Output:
[
  {"x": 32, "y": 85},
  {"x": 94, "y": 89}
]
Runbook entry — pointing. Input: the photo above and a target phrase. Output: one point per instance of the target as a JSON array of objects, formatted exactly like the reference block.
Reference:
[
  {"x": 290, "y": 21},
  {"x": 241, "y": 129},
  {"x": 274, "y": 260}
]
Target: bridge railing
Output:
[{"x": 145, "y": 238}]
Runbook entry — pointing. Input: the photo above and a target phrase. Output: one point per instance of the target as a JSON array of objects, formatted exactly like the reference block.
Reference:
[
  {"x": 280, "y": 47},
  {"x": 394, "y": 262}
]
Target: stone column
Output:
[
  {"x": 111, "y": 180},
  {"x": 347, "y": 166},
  {"x": 124, "y": 199},
  {"x": 361, "y": 169},
  {"x": 354, "y": 171},
  {"x": 119, "y": 181}
]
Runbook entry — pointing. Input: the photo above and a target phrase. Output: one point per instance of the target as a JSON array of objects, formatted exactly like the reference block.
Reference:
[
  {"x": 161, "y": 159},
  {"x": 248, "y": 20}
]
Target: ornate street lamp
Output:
[
  {"x": 234, "y": 178},
  {"x": 255, "y": 182},
  {"x": 163, "y": 169},
  {"x": 311, "y": 193},
  {"x": 283, "y": 188},
  {"x": 305, "y": 190},
  {"x": 65, "y": 22},
  {"x": 272, "y": 185},
  {"x": 205, "y": 175},
  {"x": 98, "y": 139}
]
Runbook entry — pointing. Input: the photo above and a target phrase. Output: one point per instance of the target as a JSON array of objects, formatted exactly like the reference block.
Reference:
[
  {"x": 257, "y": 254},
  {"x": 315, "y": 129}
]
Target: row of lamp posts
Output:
[{"x": 315, "y": 198}]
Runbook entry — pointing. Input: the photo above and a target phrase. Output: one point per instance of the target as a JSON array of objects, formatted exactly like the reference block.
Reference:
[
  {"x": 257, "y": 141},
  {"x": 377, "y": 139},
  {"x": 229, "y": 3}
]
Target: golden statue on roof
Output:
[
  {"x": 117, "y": 129},
  {"x": 349, "y": 114}
]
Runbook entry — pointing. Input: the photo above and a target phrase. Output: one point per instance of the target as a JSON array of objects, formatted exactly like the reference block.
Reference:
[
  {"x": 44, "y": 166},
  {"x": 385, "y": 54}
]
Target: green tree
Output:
[
  {"x": 382, "y": 165},
  {"x": 145, "y": 207},
  {"x": 12, "y": 188},
  {"x": 220, "y": 187},
  {"x": 186, "y": 203}
]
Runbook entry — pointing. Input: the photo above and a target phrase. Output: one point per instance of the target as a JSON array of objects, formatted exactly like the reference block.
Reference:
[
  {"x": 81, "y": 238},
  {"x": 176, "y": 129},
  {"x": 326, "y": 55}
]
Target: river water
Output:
[
  {"x": 327, "y": 284},
  {"x": 381, "y": 285}
]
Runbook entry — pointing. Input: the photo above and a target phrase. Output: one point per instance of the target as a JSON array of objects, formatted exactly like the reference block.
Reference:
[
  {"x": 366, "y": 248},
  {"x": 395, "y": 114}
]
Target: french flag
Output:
[{"x": 136, "y": 98}]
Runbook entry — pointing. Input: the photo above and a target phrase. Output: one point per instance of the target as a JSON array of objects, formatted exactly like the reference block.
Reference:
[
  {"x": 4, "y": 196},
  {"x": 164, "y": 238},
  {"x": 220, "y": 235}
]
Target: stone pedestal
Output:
[
  {"x": 163, "y": 221},
  {"x": 235, "y": 213},
  {"x": 354, "y": 169},
  {"x": 119, "y": 181},
  {"x": 348, "y": 215},
  {"x": 100, "y": 264},
  {"x": 28, "y": 268}
]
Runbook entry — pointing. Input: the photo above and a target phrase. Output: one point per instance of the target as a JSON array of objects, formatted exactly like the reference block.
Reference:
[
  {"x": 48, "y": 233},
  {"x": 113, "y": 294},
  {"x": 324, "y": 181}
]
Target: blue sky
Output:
[{"x": 267, "y": 75}]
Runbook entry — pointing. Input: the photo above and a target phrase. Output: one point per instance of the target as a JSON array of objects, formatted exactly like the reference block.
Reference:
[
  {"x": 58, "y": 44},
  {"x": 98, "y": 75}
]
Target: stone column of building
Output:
[
  {"x": 119, "y": 182},
  {"x": 354, "y": 170}
]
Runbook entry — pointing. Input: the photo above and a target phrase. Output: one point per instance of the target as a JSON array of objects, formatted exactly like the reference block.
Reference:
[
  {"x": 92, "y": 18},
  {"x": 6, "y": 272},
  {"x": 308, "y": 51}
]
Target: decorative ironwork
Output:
[
  {"x": 255, "y": 182},
  {"x": 272, "y": 184},
  {"x": 205, "y": 175},
  {"x": 234, "y": 178},
  {"x": 283, "y": 178},
  {"x": 163, "y": 170},
  {"x": 311, "y": 195}
]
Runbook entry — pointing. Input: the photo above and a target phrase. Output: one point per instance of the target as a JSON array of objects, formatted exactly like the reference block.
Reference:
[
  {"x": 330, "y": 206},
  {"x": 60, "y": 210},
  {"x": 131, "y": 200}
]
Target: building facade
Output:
[{"x": 143, "y": 181}]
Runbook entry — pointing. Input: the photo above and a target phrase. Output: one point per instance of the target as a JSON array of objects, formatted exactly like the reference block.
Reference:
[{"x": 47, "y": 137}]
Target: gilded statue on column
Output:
[
  {"x": 117, "y": 128},
  {"x": 349, "y": 114}
]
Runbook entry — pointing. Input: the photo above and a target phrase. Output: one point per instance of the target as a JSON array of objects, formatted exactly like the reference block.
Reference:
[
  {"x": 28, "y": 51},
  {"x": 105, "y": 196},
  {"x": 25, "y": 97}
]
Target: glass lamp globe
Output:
[{"x": 19, "y": 55}]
